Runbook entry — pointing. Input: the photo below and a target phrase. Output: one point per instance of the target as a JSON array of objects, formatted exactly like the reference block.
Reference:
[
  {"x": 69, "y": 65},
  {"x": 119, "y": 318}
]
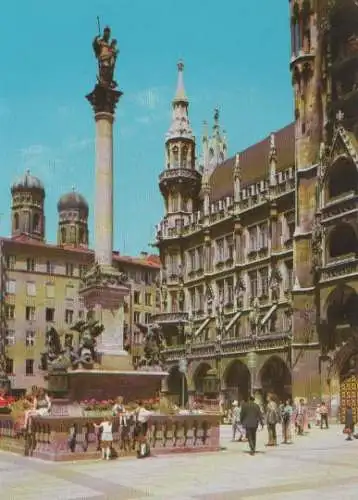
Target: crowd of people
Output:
[{"x": 247, "y": 416}]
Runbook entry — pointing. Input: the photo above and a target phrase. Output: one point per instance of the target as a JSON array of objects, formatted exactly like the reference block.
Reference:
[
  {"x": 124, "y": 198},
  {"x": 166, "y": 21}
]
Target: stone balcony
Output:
[
  {"x": 170, "y": 175},
  {"x": 341, "y": 267},
  {"x": 342, "y": 205},
  {"x": 170, "y": 317}
]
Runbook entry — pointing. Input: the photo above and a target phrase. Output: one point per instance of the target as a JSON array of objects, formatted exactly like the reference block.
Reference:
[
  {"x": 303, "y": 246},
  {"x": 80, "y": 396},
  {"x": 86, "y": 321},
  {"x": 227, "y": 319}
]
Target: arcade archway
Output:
[
  {"x": 237, "y": 381},
  {"x": 276, "y": 379},
  {"x": 177, "y": 386},
  {"x": 206, "y": 381}
]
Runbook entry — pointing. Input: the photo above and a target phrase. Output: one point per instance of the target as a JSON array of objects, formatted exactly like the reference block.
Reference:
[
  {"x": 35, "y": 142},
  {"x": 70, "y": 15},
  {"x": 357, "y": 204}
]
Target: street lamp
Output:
[{"x": 252, "y": 364}]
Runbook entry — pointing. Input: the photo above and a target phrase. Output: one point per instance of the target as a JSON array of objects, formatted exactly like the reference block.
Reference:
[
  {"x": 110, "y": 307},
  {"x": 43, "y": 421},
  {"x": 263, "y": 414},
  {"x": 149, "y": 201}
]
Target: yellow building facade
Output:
[
  {"x": 258, "y": 251},
  {"x": 40, "y": 281}
]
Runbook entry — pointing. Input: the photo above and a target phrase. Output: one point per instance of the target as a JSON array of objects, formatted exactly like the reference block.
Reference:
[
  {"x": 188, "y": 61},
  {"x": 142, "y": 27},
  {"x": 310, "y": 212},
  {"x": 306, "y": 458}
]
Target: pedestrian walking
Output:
[
  {"x": 251, "y": 417},
  {"x": 349, "y": 423},
  {"x": 301, "y": 417},
  {"x": 324, "y": 414},
  {"x": 272, "y": 419},
  {"x": 235, "y": 418},
  {"x": 286, "y": 418}
]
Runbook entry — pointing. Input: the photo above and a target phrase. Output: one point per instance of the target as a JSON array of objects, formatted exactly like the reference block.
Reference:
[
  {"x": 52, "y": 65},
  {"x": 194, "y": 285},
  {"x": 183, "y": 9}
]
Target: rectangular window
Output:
[
  {"x": 50, "y": 291},
  {"x": 69, "y": 316},
  {"x": 29, "y": 366},
  {"x": 148, "y": 299},
  {"x": 10, "y": 337},
  {"x": 11, "y": 287},
  {"x": 31, "y": 289},
  {"x": 50, "y": 314},
  {"x": 30, "y": 265},
  {"x": 10, "y": 262},
  {"x": 253, "y": 284},
  {"x": 50, "y": 267},
  {"x": 30, "y": 313},
  {"x": 9, "y": 366},
  {"x": 148, "y": 278},
  {"x": 136, "y": 297},
  {"x": 230, "y": 291},
  {"x": 220, "y": 250},
  {"x": 200, "y": 256},
  {"x": 136, "y": 317},
  {"x": 81, "y": 314},
  {"x": 264, "y": 281},
  {"x": 253, "y": 239},
  {"x": 147, "y": 318},
  {"x": 192, "y": 260},
  {"x": 230, "y": 248},
  {"x": 221, "y": 290},
  {"x": 200, "y": 293},
  {"x": 263, "y": 231},
  {"x": 30, "y": 338},
  {"x": 70, "y": 292},
  {"x": 9, "y": 311},
  {"x": 69, "y": 269}
]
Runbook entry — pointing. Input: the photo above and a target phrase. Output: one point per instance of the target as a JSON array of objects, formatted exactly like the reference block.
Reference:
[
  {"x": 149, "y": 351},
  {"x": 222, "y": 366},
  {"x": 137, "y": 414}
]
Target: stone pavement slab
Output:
[{"x": 321, "y": 464}]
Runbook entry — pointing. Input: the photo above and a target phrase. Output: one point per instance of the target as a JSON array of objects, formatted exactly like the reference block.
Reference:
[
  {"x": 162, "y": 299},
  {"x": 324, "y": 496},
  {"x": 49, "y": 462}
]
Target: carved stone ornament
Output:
[
  {"x": 154, "y": 346},
  {"x": 58, "y": 357},
  {"x": 103, "y": 277},
  {"x": 317, "y": 241}
]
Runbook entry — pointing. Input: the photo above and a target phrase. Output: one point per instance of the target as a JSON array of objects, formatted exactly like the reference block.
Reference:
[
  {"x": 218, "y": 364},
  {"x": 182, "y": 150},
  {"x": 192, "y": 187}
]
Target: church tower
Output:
[
  {"x": 73, "y": 220},
  {"x": 179, "y": 184},
  {"x": 324, "y": 36},
  {"x": 27, "y": 209}
]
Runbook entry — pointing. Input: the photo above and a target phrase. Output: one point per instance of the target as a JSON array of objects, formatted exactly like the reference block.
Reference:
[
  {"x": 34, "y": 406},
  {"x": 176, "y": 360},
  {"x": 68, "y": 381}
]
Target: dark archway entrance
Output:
[
  {"x": 237, "y": 381},
  {"x": 276, "y": 379},
  {"x": 177, "y": 386},
  {"x": 206, "y": 382}
]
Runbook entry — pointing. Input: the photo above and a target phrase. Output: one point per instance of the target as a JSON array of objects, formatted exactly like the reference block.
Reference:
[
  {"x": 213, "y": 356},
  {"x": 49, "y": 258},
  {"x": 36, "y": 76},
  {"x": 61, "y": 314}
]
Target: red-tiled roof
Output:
[
  {"x": 151, "y": 261},
  {"x": 254, "y": 163}
]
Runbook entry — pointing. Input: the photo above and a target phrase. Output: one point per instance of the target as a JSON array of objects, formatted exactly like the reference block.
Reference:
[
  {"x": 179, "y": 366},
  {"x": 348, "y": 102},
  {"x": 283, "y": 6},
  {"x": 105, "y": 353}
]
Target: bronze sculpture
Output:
[{"x": 106, "y": 53}]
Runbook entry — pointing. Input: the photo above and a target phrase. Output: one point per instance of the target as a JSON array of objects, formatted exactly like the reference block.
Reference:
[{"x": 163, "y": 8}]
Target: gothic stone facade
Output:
[{"x": 259, "y": 252}]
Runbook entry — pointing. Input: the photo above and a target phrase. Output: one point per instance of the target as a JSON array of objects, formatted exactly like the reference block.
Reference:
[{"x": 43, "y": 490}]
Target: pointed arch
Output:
[
  {"x": 342, "y": 240},
  {"x": 342, "y": 177}
]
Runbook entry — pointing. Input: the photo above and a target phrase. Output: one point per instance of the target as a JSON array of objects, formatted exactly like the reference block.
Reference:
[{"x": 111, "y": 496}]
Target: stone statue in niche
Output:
[
  {"x": 209, "y": 299},
  {"x": 317, "y": 242},
  {"x": 275, "y": 280},
  {"x": 255, "y": 317},
  {"x": 240, "y": 293}
]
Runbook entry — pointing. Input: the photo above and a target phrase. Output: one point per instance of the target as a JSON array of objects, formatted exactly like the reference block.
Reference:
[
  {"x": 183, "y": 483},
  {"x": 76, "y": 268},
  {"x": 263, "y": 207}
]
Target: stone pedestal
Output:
[{"x": 103, "y": 292}]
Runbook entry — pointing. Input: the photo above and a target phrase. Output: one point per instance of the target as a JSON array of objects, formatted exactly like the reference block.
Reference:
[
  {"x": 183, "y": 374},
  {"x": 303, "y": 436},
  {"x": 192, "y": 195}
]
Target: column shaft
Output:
[{"x": 104, "y": 189}]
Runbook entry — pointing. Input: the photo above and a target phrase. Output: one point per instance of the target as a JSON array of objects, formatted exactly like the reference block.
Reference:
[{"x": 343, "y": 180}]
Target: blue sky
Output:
[{"x": 236, "y": 56}]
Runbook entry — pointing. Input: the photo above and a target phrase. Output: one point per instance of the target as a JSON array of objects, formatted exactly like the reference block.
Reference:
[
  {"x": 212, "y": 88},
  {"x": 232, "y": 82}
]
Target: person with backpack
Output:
[{"x": 286, "y": 419}]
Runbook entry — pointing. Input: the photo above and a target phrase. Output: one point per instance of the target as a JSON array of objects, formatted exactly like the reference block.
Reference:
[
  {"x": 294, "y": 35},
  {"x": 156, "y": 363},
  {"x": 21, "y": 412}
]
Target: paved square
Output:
[{"x": 321, "y": 464}]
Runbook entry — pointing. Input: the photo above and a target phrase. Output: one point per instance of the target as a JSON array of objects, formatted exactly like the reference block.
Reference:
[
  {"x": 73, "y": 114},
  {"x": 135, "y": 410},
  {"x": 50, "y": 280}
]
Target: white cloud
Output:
[
  {"x": 79, "y": 144},
  {"x": 32, "y": 150},
  {"x": 148, "y": 98}
]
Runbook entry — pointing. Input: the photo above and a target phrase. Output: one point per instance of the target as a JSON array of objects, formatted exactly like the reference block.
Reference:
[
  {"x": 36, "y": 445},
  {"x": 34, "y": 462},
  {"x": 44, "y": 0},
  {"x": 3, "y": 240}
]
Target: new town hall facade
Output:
[{"x": 259, "y": 261}]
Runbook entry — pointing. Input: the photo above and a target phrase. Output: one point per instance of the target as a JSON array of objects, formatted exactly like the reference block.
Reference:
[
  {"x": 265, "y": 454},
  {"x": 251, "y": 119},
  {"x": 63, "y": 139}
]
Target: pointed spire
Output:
[
  {"x": 180, "y": 95},
  {"x": 180, "y": 126},
  {"x": 205, "y": 131},
  {"x": 273, "y": 150}
]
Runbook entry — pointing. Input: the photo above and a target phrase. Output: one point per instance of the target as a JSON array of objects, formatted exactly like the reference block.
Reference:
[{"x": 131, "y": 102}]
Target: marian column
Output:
[{"x": 104, "y": 288}]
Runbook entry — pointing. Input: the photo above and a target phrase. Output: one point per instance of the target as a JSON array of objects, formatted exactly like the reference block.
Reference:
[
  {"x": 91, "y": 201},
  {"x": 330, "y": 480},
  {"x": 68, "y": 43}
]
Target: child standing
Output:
[{"x": 106, "y": 437}]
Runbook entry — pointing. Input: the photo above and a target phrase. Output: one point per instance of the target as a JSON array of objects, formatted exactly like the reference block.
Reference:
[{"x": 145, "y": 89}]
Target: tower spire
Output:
[
  {"x": 180, "y": 95},
  {"x": 180, "y": 125}
]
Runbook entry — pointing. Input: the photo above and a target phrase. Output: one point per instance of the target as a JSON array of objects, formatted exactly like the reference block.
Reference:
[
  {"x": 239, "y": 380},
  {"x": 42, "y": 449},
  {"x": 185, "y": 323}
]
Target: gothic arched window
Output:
[
  {"x": 36, "y": 223},
  {"x": 16, "y": 222}
]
